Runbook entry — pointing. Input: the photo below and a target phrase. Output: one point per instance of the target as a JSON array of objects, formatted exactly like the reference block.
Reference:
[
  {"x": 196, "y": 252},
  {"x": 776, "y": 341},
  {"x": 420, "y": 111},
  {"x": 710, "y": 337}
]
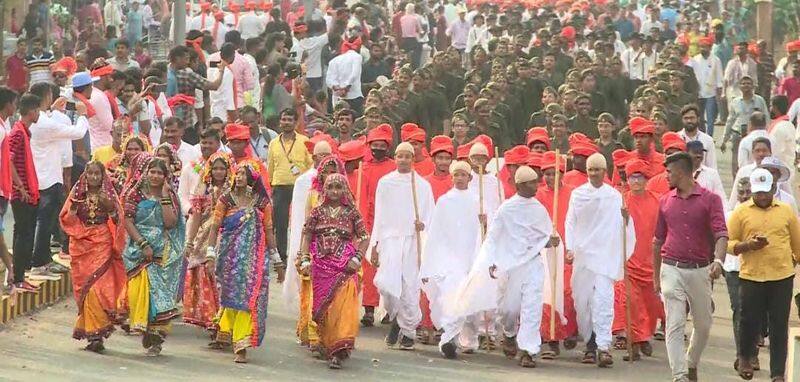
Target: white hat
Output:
[
  {"x": 774, "y": 162},
  {"x": 596, "y": 160},
  {"x": 322, "y": 147},
  {"x": 478, "y": 149},
  {"x": 760, "y": 180},
  {"x": 460, "y": 166},
  {"x": 405, "y": 146},
  {"x": 525, "y": 174}
]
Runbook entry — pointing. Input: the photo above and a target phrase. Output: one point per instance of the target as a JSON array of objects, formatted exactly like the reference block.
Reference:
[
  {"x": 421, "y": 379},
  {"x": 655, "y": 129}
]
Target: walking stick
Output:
[
  {"x": 481, "y": 211},
  {"x": 553, "y": 259},
  {"x": 628, "y": 332},
  {"x": 416, "y": 216},
  {"x": 497, "y": 164},
  {"x": 358, "y": 184}
]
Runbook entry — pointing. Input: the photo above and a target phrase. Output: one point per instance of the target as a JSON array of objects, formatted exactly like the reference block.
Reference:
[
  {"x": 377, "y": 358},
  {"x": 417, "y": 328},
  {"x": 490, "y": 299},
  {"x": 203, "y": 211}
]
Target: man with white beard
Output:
[
  {"x": 403, "y": 208},
  {"x": 594, "y": 223},
  {"x": 452, "y": 242},
  {"x": 514, "y": 281}
]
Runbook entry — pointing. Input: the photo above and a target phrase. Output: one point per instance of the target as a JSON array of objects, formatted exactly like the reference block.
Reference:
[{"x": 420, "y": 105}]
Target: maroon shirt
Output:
[
  {"x": 16, "y": 74},
  {"x": 688, "y": 228}
]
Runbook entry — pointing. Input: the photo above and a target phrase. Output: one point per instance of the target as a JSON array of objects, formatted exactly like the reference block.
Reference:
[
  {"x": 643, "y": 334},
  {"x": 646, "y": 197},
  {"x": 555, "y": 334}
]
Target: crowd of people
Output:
[{"x": 352, "y": 151}]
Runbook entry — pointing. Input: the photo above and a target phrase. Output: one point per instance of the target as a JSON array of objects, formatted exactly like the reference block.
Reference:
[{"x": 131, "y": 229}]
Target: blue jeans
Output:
[
  {"x": 50, "y": 201},
  {"x": 708, "y": 110}
]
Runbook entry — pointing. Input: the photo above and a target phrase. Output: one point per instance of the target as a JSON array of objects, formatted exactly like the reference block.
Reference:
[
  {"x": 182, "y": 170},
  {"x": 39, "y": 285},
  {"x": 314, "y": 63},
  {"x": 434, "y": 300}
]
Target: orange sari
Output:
[{"x": 98, "y": 275}]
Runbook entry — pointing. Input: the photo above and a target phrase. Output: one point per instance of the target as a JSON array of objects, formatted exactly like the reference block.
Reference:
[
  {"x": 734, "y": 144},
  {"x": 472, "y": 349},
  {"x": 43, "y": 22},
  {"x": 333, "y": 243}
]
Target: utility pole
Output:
[
  {"x": 764, "y": 22},
  {"x": 179, "y": 21}
]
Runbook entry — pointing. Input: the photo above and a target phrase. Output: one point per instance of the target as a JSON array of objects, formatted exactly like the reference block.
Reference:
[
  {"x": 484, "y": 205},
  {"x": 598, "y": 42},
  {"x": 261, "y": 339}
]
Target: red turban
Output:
[
  {"x": 671, "y": 140},
  {"x": 707, "y": 41},
  {"x": 576, "y": 138},
  {"x": 538, "y": 134},
  {"x": 793, "y": 46},
  {"x": 104, "y": 70},
  {"x": 486, "y": 141},
  {"x": 411, "y": 132},
  {"x": 639, "y": 125},
  {"x": 620, "y": 157},
  {"x": 205, "y": 6},
  {"x": 219, "y": 15},
  {"x": 266, "y": 6},
  {"x": 583, "y": 149},
  {"x": 517, "y": 155},
  {"x": 441, "y": 143},
  {"x": 635, "y": 165},
  {"x": 549, "y": 161},
  {"x": 233, "y": 6},
  {"x": 318, "y": 137},
  {"x": 382, "y": 132},
  {"x": 300, "y": 27},
  {"x": 568, "y": 33},
  {"x": 235, "y": 131},
  {"x": 533, "y": 159},
  {"x": 353, "y": 150},
  {"x": 66, "y": 65}
]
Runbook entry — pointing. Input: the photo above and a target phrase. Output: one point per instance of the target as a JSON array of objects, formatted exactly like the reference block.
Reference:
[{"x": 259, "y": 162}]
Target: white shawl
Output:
[{"x": 297, "y": 219}]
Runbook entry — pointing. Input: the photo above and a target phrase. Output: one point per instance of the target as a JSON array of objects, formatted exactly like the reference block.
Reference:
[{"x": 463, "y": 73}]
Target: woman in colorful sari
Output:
[
  {"x": 306, "y": 327},
  {"x": 91, "y": 219},
  {"x": 243, "y": 224},
  {"x": 167, "y": 153},
  {"x": 153, "y": 256},
  {"x": 334, "y": 241},
  {"x": 120, "y": 165},
  {"x": 200, "y": 298}
]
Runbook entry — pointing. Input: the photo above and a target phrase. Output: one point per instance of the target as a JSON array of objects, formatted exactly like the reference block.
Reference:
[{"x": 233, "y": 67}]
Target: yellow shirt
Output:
[
  {"x": 104, "y": 154},
  {"x": 283, "y": 156},
  {"x": 779, "y": 224}
]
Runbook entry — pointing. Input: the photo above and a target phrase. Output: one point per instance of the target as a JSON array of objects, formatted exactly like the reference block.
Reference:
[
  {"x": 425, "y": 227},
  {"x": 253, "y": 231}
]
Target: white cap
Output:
[
  {"x": 760, "y": 180},
  {"x": 596, "y": 160},
  {"x": 322, "y": 147},
  {"x": 405, "y": 146},
  {"x": 478, "y": 149},
  {"x": 460, "y": 166},
  {"x": 525, "y": 174}
]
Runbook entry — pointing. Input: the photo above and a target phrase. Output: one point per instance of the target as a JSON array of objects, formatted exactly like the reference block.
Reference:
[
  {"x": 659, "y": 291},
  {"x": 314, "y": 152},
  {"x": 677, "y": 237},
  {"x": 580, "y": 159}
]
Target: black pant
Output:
[
  {"x": 773, "y": 297},
  {"x": 24, "y": 230},
  {"x": 413, "y": 47},
  {"x": 46, "y": 215},
  {"x": 281, "y": 198}
]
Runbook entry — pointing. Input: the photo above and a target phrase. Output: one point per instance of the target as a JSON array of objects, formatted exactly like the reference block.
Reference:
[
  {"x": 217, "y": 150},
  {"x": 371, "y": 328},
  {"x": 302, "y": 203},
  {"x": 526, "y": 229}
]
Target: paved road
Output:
[{"x": 40, "y": 348}]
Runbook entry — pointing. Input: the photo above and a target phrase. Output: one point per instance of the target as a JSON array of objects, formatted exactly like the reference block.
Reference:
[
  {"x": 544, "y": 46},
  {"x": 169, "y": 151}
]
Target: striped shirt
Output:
[{"x": 39, "y": 67}]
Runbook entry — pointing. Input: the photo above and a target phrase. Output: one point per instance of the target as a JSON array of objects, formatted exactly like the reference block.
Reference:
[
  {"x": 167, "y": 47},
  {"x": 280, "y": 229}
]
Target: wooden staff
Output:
[
  {"x": 358, "y": 184},
  {"x": 481, "y": 210},
  {"x": 416, "y": 216},
  {"x": 553, "y": 259},
  {"x": 497, "y": 164},
  {"x": 628, "y": 331}
]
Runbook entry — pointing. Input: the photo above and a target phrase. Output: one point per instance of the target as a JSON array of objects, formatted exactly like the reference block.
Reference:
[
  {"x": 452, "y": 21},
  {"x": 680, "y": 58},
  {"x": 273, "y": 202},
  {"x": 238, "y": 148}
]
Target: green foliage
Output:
[{"x": 785, "y": 18}]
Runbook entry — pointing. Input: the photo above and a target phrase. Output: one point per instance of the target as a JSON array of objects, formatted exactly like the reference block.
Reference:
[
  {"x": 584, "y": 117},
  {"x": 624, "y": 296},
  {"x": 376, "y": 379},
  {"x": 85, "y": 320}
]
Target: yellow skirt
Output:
[
  {"x": 93, "y": 322},
  {"x": 339, "y": 325},
  {"x": 235, "y": 328},
  {"x": 307, "y": 330},
  {"x": 139, "y": 306}
]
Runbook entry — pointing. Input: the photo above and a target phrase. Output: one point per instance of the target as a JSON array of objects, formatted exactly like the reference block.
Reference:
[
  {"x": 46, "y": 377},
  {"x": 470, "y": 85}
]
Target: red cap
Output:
[
  {"x": 549, "y": 161},
  {"x": 568, "y": 33},
  {"x": 793, "y": 46},
  {"x": 620, "y": 157},
  {"x": 411, "y": 132},
  {"x": 66, "y": 65},
  {"x": 219, "y": 15},
  {"x": 639, "y": 125},
  {"x": 266, "y": 6},
  {"x": 441, "y": 143},
  {"x": 382, "y": 132},
  {"x": 583, "y": 149},
  {"x": 635, "y": 165},
  {"x": 105, "y": 70},
  {"x": 353, "y": 150},
  {"x": 533, "y": 159},
  {"x": 320, "y": 136},
  {"x": 236, "y": 131},
  {"x": 517, "y": 155},
  {"x": 205, "y": 6},
  {"x": 671, "y": 140},
  {"x": 707, "y": 41},
  {"x": 538, "y": 134}
]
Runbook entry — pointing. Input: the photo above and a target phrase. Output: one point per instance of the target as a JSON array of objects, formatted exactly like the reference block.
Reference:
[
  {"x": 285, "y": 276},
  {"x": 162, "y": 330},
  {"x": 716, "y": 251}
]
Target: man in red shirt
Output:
[
  {"x": 581, "y": 148},
  {"x": 512, "y": 159},
  {"x": 790, "y": 86},
  {"x": 17, "y": 69},
  {"x": 375, "y": 167}
]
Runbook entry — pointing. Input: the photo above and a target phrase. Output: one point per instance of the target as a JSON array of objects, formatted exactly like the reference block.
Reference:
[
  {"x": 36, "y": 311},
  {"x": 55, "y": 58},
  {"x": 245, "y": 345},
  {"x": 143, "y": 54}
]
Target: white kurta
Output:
[
  {"x": 393, "y": 236},
  {"x": 594, "y": 230},
  {"x": 493, "y": 193},
  {"x": 453, "y": 239},
  {"x": 345, "y": 70},
  {"x": 515, "y": 240},
  {"x": 297, "y": 219}
]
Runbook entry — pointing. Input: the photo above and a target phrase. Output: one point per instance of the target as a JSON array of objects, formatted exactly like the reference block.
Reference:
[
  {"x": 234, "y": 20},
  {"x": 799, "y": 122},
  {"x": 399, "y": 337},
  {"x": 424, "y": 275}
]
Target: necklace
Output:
[
  {"x": 248, "y": 208},
  {"x": 91, "y": 205},
  {"x": 335, "y": 211}
]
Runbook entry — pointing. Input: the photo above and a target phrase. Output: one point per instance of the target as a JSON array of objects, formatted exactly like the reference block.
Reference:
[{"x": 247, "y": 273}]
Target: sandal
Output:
[
  {"x": 335, "y": 363},
  {"x": 368, "y": 320},
  {"x": 96, "y": 346},
  {"x": 216, "y": 345},
  {"x": 604, "y": 359},
  {"x": 745, "y": 370},
  {"x": 570, "y": 343},
  {"x": 547, "y": 354},
  {"x": 526, "y": 360},
  {"x": 646, "y": 347},
  {"x": 589, "y": 357},
  {"x": 510, "y": 347},
  {"x": 153, "y": 351},
  {"x": 621, "y": 343},
  {"x": 241, "y": 356}
]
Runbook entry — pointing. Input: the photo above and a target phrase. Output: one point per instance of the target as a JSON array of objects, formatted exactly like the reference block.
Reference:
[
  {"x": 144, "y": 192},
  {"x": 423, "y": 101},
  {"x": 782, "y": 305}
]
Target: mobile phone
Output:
[
  {"x": 214, "y": 64},
  {"x": 70, "y": 106}
]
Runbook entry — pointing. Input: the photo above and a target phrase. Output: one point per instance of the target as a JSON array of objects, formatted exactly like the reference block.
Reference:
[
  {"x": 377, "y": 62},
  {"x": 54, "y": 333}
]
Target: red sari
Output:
[{"x": 98, "y": 274}]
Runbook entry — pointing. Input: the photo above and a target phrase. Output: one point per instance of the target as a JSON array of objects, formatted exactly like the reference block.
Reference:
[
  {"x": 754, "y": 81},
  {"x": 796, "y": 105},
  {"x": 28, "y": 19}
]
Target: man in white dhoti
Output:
[
  {"x": 514, "y": 281},
  {"x": 493, "y": 193},
  {"x": 297, "y": 219},
  {"x": 594, "y": 229},
  {"x": 452, "y": 242},
  {"x": 403, "y": 208}
]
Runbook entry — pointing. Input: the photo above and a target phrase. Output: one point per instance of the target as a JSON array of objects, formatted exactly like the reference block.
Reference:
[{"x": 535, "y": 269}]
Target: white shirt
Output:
[
  {"x": 794, "y": 111},
  {"x": 312, "y": 48},
  {"x": 477, "y": 36},
  {"x": 709, "y": 179},
  {"x": 186, "y": 184},
  {"x": 783, "y": 140},
  {"x": 710, "y": 159},
  {"x": 223, "y": 99},
  {"x": 638, "y": 64},
  {"x": 49, "y": 132},
  {"x": 708, "y": 72},
  {"x": 5, "y": 128},
  {"x": 345, "y": 70},
  {"x": 746, "y": 146},
  {"x": 188, "y": 153},
  {"x": 251, "y": 25},
  {"x": 255, "y": 93},
  {"x": 648, "y": 25},
  {"x": 199, "y": 24},
  {"x": 101, "y": 123}
]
